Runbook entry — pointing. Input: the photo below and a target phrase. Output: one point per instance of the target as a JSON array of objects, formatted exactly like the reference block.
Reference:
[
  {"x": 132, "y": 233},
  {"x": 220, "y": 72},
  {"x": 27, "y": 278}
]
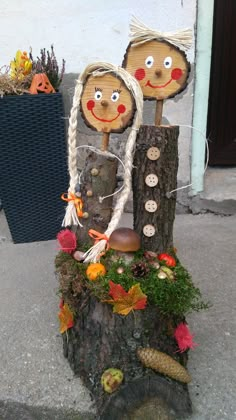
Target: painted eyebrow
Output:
[
  {"x": 117, "y": 90},
  {"x": 98, "y": 89}
]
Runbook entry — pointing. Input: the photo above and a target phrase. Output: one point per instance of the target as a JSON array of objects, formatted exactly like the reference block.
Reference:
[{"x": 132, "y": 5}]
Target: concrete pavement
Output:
[{"x": 36, "y": 381}]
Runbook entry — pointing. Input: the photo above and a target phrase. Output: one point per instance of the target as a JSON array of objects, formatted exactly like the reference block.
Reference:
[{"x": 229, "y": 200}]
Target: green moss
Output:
[{"x": 177, "y": 297}]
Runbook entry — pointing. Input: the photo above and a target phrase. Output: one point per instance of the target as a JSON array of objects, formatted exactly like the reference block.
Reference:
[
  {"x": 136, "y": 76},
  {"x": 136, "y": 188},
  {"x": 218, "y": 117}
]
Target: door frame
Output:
[{"x": 205, "y": 12}]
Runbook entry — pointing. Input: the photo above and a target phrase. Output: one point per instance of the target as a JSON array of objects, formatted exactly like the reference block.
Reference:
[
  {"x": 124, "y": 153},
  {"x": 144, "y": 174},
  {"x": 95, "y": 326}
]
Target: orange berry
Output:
[{"x": 95, "y": 270}]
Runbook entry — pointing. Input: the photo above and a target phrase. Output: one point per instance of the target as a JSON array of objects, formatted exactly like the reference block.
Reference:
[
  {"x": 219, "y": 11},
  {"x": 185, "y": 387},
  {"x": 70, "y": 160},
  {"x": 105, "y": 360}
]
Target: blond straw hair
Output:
[{"x": 140, "y": 33}]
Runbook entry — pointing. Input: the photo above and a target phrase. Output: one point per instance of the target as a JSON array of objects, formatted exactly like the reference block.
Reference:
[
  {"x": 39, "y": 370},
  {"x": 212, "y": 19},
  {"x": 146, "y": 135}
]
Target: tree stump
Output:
[
  {"x": 154, "y": 176},
  {"x": 101, "y": 340},
  {"x": 98, "y": 180}
]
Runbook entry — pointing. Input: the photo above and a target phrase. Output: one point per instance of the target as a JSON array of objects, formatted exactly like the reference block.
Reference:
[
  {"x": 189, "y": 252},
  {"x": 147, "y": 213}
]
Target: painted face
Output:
[
  {"x": 161, "y": 69},
  {"x": 107, "y": 104}
]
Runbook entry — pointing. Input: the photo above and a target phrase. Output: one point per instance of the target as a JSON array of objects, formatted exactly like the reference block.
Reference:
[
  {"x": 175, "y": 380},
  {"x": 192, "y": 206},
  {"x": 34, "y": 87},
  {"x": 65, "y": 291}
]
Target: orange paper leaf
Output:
[
  {"x": 66, "y": 318},
  {"x": 123, "y": 302}
]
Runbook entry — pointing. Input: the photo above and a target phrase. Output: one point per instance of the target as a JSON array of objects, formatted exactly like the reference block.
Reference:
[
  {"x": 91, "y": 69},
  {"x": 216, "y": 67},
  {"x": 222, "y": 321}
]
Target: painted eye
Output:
[
  {"x": 168, "y": 62},
  {"x": 98, "y": 95},
  {"x": 149, "y": 61},
  {"x": 115, "y": 96}
]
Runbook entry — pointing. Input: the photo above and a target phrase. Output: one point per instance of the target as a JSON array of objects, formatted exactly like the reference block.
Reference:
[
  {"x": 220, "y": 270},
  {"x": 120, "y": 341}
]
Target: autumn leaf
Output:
[
  {"x": 66, "y": 318},
  {"x": 123, "y": 302}
]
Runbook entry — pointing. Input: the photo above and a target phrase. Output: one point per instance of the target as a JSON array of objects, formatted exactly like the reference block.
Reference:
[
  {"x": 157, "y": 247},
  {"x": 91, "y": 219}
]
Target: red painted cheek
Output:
[
  {"x": 139, "y": 74},
  {"x": 176, "y": 74},
  {"x": 90, "y": 105},
  {"x": 121, "y": 109}
]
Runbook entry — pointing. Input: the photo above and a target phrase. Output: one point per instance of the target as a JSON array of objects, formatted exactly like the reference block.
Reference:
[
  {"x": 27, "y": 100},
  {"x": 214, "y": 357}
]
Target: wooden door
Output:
[{"x": 221, "y": 127}]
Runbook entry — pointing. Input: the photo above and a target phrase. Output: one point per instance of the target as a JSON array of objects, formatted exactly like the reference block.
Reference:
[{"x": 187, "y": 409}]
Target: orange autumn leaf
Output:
[
  {"x": 123, "y": 302},
  {"x": 66, "y": 318}
]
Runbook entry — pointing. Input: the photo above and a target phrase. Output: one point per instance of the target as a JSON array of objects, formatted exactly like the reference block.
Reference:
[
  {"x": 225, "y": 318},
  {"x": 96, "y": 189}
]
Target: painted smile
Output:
[
  {"x": 158, "y": 86},
  {"x": 102, "y": 119}
]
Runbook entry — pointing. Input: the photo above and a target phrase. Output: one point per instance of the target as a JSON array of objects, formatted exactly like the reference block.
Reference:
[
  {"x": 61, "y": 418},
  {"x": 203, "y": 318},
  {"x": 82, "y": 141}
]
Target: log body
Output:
[
  {"x": 154, "y": 176},
  {"x": 100, "y": 340},
  {"x": 100, "y": 183}
]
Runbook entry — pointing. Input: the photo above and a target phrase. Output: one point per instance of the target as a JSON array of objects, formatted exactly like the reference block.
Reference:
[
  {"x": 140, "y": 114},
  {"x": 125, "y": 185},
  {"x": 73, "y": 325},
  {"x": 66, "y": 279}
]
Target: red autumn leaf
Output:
[
  {"x": 116, "y": 290},
  {"x": 67, "y": 240},
  {"x": 123, "y": 302},
  {"x": 168, "y": 259},
  {"x": 66, "y": 318}
]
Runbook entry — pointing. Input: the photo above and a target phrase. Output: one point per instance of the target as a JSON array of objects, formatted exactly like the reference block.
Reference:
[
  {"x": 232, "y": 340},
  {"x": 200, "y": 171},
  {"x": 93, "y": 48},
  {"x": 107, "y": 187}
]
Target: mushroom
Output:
[{"x": 125, "y": 241}]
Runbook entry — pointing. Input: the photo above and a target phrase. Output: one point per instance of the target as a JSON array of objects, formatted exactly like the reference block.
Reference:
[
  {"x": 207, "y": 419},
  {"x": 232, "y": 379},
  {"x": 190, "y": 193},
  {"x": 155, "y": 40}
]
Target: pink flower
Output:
[
  {"x": 67, "y": 240},
  {"x": 184, "y": 338}
]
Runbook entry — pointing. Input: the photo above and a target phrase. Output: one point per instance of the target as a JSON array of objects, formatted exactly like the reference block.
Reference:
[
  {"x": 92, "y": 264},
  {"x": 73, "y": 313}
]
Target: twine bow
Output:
[
  {"x": 97, "y": 236},
  {"x": 78, "y": 203}
]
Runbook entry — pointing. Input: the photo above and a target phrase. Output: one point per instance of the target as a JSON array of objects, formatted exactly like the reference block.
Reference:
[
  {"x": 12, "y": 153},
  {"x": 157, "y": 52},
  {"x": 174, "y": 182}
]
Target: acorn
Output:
[
  {"x": 111, "y": 379},
  {"x": 78, "y": 255},
  {"x": 168, "y": 272},
  {"x": 154, "y": 264},
  {"x": 149, "y": 255},
  {"x": 161, "y": 275}
]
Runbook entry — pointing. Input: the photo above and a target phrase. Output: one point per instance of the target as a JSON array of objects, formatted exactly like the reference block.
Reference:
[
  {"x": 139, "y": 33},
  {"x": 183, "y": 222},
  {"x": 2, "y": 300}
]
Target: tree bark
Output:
[
  {"x": 165, "y": 139},
  {"x": 100, "y": 340},
  {"x": 99, "y": 183}
]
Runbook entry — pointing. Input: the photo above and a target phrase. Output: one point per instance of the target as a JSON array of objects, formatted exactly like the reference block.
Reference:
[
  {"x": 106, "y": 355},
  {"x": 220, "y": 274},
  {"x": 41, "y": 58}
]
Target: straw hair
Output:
[
  {"x": 140, "y": 33},
  {"x": 97, "y": 70}
]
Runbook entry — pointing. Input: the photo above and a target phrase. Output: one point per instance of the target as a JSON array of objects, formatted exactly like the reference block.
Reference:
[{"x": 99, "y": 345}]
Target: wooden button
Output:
[
  {"x": 151, "y": 206},
  {"x": 153, "y": 153},
  {"x": 151, "y": 180},
  {"x": 149, "y": 230}
]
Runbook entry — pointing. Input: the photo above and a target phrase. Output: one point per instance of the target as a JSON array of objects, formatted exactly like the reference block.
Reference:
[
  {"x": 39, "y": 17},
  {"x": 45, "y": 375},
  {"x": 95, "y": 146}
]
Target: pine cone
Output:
[
  {"x": 163, "y": 363},
  {"x": 139, "y": 269}
]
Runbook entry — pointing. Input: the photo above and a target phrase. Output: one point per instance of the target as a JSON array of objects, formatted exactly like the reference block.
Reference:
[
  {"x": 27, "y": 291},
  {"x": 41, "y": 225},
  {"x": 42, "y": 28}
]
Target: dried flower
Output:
[
  {"x": 67, "y": 240},
  {"x": 21, "y": 66},
  {"x": 184, "y": 338},
  {"x": 47, "y": 63}
]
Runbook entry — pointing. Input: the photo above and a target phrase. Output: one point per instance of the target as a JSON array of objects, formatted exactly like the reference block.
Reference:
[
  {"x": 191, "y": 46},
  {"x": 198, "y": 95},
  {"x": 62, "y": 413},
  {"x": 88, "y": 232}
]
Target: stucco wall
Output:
[{"x": 84, "y": 32}]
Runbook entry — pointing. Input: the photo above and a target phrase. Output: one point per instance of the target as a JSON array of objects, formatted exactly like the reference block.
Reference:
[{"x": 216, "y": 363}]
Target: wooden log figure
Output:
[
  {"x": 110, "y": 100},
  {"x": 159, "y": 64},
  {"x": 156, "y": 60},
  {"x": 123, "y": 304}
]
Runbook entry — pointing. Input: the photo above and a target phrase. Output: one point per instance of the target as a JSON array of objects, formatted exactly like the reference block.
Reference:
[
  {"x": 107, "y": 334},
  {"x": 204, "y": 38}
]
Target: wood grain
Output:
[
  {"x": 165, "y": 168},
  {"x": 161, "y": 69},
  {"x": 106, "y": 104}
]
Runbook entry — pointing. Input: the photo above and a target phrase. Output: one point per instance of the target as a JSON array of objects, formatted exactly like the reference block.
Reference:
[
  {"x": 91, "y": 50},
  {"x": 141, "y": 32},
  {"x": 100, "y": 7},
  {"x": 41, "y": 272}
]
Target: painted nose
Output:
[
  {"x": 158, "y": 72},
  {"x": 104, "y": 103}
]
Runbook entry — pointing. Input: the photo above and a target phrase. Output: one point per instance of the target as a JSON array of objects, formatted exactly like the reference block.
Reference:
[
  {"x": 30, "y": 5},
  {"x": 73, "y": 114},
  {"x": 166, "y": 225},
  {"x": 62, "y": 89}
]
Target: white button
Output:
[
  {"x": 150, "y": 206},
  {"x": 153, "y": 153},
  {"x": 151, "y": 180},
  {"x": 149, "y": 230}
]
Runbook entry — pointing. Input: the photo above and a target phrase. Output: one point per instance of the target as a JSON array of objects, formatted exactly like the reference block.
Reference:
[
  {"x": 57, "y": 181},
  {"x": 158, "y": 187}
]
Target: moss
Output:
[{"x": 177, "y": 297}]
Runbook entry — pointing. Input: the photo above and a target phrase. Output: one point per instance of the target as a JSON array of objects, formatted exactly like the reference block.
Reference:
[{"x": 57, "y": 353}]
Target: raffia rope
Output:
[
  {"x": 140, "y": 33},
  {"x": 99, "y": 69}
]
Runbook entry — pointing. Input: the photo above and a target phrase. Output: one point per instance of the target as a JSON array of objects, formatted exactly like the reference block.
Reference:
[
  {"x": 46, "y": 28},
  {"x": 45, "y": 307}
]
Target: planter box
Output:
[{"x": 33, "y": 165}]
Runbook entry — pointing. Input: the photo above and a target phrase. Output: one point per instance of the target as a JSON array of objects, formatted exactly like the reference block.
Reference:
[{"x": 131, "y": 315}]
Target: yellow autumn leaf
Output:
[
  {"x": 66, "y": 318},
  {"x": 124, "y": 302}
]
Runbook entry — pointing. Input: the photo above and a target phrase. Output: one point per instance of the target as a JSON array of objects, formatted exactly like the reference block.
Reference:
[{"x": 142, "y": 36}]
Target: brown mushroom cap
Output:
[{"x": 125, "y": 239}]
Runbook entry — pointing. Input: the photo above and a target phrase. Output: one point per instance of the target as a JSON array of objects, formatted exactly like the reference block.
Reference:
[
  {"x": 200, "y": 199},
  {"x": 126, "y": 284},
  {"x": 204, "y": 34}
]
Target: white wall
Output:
[{"x": 84, "y": 31}]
